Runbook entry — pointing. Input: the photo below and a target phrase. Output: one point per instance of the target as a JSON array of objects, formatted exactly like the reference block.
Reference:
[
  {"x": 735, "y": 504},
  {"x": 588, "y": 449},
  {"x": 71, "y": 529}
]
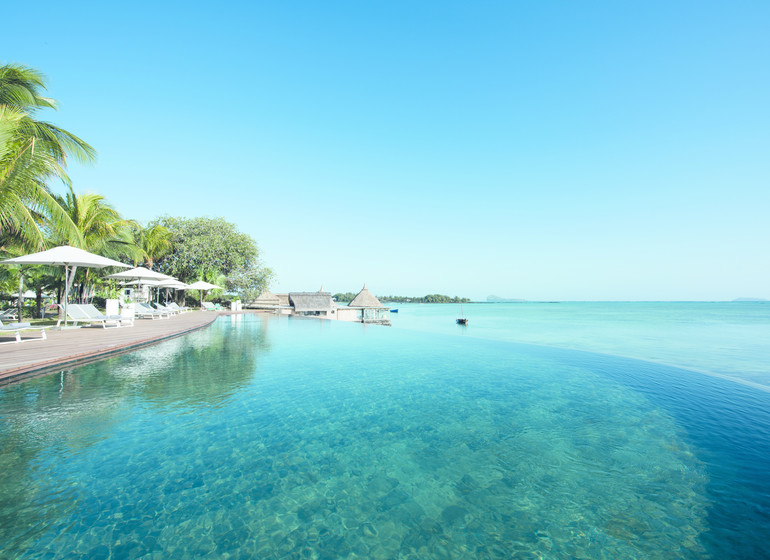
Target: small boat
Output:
[
  {"x": 394, "y": 310},
  {"x": 462, "y": 319}
]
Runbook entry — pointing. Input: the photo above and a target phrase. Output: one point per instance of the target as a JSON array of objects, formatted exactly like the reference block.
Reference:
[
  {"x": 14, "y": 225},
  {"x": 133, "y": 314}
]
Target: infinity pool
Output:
[{"x": 276, "y": 438}]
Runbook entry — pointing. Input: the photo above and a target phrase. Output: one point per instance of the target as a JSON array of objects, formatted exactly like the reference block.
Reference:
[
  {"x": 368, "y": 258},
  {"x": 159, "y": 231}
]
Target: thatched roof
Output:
[
  {"x": 267, "y": 298},
  {"x": 311, "y": 301},
  {"x": 365, "y": 298}
]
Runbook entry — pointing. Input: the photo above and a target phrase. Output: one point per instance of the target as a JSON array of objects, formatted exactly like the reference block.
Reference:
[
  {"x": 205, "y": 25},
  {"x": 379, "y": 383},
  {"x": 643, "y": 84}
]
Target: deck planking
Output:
[{"x": 67, "y": 347}]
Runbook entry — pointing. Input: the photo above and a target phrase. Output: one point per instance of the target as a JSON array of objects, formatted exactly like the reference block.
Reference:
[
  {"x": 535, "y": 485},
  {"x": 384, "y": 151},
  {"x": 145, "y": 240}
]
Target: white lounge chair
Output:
[
  {"x": 166, "y": 309},
  {"x": 10, "y": 313},
  {"x": 16, "y": 328},
  {"x": 176, "y": 307},
  {"x": 208, "y": 306},
  {"x": 95, "y": 314},
  {"x": 142, "y": 310},
  {"x": 78, "y": 314}
]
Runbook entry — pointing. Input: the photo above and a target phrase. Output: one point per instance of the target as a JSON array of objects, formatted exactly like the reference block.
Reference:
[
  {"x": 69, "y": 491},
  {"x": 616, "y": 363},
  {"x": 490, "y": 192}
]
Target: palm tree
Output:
[
  {"x": 31, "y": 153},
  {"x": 100, "y": 229},
  {"x": 42, "y": 278},
  {"x": 154, "y": 242}
]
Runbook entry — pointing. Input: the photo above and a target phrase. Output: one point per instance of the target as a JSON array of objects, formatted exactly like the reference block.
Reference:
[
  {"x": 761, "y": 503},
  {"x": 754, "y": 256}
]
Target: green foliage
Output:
[
  {"x": 153, "y": 242},
  {"x": 31, "y": 153},
  {"x": 108, "y": 289},
  {"x": 222, "y": 299},
  {"x": 100, "y": 227},
  {"x": 249, "y": 282},
  {"x": 347, "y": 297},
  {"x": 430, "y": 298},
  {"x": 100, "y": 230},
  {"x": 202, "y": 247}
]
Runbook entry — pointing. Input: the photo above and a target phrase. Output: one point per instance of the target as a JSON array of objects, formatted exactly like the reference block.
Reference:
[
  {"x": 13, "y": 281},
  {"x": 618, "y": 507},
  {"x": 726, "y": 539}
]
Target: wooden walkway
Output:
[{"x": 65, "y": 347}]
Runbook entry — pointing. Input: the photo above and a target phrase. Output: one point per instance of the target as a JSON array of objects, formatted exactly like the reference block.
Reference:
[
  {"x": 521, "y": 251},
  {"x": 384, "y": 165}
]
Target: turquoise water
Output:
[
  {"x": 277, "y": 438},
  {"x": 726, "y": 339}
]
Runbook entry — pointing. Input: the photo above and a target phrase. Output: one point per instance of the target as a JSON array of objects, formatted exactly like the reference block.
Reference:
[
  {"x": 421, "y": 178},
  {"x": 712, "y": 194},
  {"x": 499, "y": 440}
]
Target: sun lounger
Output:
[
  {"x": 95, "y": 314},
  {"x": 143, "y": 311},
  {"x": 208, "y": 306},
  {"x": 166, "y": 309},
  {"x": 79, "y": 314},
  {"x": 16, "y": 328},
  {"x": 8, "y": 314},
  {"x": 176, "y": 307}
]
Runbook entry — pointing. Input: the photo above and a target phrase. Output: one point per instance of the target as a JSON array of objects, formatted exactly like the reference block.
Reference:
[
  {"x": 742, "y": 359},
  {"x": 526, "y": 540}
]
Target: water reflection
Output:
[
  {"x": 203, "y": 370},
  {"x": 45, "y": 422}
]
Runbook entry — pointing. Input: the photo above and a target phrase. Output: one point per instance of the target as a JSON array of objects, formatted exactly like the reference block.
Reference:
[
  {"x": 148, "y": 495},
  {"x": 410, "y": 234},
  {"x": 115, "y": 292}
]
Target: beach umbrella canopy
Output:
[
  {"x": 143, "y": 276},
  {"x": 203, "y": 287},
  {"x": 173, "y": 284},
  {"x": 67, "y": 257},
  {"x": 143, "y": 282},
  {"x": 139, "y": 273}
]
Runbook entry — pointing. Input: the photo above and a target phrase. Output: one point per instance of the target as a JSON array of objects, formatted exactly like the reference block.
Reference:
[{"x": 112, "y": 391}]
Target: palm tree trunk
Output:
[
  {"x": 21, "y": 291},
  {"x": 68, "y": 288},
  {"x": 38, "y": 302}
]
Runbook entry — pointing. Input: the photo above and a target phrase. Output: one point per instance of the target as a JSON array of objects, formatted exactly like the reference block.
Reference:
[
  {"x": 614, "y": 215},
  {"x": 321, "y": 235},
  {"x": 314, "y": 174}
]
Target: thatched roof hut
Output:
[
  {"x": 311, "y": 302},
  {"x": 267, "y": 299},
  {"x": 365, "y": 298}
]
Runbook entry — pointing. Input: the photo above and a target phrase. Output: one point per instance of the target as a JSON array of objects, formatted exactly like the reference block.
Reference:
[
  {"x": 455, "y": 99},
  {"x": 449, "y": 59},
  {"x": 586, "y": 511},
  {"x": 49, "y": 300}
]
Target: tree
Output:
[
  {"x": 40, "y": 279},
  {"x": 202, "y": 245},
  {"x": 100, "y": 229},
  {"x": 205, "y": 246},
  {"x": 154, "y": 242},
  {"x": 249, "y": 282},
  {"x": 31, "y": 153}
]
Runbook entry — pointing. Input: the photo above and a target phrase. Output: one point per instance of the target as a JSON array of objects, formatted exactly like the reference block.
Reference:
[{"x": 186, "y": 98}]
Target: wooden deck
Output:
[{"x": 65, "y": 347}]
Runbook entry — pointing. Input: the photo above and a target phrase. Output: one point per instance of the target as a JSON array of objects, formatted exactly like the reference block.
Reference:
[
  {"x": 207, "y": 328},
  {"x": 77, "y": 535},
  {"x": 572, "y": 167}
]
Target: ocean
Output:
[{"x": 730, "y": 340}]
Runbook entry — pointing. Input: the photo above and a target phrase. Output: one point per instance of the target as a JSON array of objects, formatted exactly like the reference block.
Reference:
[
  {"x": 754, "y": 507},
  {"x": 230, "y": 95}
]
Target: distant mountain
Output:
[
  {"x": 749, "y": 299},
  {"x": 498, "y": 299}
]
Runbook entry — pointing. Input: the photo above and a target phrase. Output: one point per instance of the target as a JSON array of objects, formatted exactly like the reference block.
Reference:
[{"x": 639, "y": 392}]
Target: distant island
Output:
[
  {"x": 498, "y": 299},
  {"x": 347, "y": 297}
]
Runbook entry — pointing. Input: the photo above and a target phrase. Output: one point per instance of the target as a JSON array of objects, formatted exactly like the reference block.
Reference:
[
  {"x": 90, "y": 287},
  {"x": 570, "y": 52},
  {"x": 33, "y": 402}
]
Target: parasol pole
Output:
[{"x": 66, "y": 290}]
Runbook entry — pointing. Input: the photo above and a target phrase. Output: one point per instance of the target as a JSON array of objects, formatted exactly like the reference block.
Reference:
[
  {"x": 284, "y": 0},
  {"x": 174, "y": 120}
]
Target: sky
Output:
[{"x": 530, "y": 150}]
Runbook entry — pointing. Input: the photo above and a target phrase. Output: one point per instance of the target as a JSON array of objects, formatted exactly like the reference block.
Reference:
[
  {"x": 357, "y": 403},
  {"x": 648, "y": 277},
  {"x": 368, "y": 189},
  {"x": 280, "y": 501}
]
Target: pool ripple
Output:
[{"x": 289, "y": 439}]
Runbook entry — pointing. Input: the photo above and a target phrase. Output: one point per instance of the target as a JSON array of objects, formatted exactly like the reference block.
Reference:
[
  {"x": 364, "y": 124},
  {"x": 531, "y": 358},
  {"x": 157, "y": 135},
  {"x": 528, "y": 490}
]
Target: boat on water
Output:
[
  {"x": 394, "y": 310},
  {"x": 462, "y": 319}
]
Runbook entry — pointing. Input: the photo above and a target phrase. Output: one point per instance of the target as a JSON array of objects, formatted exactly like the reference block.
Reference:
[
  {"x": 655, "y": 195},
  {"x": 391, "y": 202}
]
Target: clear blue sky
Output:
[{"x": 537, "y": 150}]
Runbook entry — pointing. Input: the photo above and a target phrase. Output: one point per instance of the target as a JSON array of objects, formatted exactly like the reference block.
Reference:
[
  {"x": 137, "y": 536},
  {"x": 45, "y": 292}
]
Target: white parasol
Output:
[
  {"x": 139, "y": 273},
  {"x": 171, "y": 284},
  {"x": 67, "y": 257},
  {"x": 203, "y": 287},
  {"x": 143, "y": 276}
]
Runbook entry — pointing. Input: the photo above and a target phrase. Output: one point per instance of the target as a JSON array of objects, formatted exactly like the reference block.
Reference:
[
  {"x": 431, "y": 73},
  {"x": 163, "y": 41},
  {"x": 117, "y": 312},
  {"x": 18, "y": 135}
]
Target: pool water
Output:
[{"x": 283, "y": 438}]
